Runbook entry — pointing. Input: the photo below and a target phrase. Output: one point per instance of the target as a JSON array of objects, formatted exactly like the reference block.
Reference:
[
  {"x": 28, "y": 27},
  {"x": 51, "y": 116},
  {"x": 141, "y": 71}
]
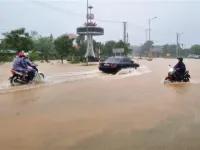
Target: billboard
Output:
[{"x": 118, "y": 50}]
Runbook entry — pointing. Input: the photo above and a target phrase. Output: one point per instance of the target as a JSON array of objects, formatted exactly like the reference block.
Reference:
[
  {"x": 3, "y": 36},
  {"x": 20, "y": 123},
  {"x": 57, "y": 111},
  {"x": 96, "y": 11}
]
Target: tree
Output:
[
  {"x": 195, "y": 49},
  {"x": 34, "y": 55},
  {"x": 63, "y": 46},
  {"x": 108, "y": 47},
  {"x": 147, "y": 46},
  {"x": 45, "y": 45},
  {"x": 121, "y": 44},
  {"x": 18, "y": 40},
  {"x": 169, "y": 49},
  {"x": 34, "y": 35},
  {"x": 1, "y": 46}
]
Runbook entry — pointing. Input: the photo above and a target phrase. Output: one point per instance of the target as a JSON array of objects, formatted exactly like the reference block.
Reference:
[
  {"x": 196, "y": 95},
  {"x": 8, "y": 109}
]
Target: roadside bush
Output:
[
  {"x": 76, "y": 59},
  {"x": 69, "y": 58},
  {"x": 34, "y": 56},
  {"x": 6, "y": 58}
]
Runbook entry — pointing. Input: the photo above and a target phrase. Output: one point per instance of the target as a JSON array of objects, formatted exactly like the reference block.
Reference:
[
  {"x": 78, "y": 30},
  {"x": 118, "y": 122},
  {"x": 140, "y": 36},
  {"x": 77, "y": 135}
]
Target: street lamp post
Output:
[{"x": 150, "y": 19}]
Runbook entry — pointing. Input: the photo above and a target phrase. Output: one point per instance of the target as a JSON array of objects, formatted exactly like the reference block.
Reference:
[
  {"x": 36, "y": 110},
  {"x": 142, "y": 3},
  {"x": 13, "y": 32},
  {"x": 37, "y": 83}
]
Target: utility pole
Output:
[
  {"x": 150, "y": 19},
  {"x": 87, "y": 32},
  {"x": 127, "y": 38},
  {"x": 149, "y": 29},
  {"x": 124, "y": 34},
  {"x": 146, "y": 32},
  {"x": 177, "y": 44}
]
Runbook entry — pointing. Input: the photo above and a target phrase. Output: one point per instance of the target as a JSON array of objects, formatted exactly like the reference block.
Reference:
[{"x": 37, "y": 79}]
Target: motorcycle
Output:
[
  {"x": 19, "y": 79},
  {"x": 173, "y": 77}
]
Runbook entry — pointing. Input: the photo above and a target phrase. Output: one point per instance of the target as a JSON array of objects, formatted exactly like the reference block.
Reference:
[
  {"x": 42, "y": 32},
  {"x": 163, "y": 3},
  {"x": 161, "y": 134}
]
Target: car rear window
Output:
[{"x": 113, "y": 59}]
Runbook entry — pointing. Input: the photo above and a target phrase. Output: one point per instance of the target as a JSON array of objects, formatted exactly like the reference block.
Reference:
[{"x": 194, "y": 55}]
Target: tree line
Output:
[
  {"x": 48, "y": 47},
  {"x": 169, "y": 49}
]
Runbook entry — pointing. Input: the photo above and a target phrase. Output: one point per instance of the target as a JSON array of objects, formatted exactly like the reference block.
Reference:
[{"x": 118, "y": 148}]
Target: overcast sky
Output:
[{"x": 64, "y": 16}]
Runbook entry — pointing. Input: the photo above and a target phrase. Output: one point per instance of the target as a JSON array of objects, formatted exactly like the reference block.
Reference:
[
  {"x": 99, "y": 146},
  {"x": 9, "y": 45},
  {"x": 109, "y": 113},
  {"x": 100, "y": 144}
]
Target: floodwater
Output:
[{"x": 79, "y": 108}]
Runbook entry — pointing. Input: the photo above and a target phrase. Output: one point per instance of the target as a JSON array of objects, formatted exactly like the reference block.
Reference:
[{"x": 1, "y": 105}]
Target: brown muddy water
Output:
[{"x": 79, "y": 108}]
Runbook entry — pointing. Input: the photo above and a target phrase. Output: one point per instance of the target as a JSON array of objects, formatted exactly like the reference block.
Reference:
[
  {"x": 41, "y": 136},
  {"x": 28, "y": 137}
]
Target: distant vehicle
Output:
[
  {"x": 115, "y": 63},
  {"x": 191, "y": 56},
  {"x": 194, "y": 56}
]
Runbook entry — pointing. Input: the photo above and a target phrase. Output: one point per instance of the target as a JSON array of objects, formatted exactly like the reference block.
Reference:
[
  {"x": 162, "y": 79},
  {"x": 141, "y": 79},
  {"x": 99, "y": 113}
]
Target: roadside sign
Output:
[{"x": 118, "y": 50}]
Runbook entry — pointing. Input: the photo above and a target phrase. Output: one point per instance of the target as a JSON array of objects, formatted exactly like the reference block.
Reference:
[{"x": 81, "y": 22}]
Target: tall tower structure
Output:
[{"x": 90, "y": 29}]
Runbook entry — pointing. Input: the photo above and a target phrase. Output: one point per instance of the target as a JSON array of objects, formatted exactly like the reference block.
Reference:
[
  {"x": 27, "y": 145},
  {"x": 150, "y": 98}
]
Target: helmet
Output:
[
  {"x": 180, "y": 59},
  {"x": 26, "y": 54},
  {"x": 21, "y": 54}
]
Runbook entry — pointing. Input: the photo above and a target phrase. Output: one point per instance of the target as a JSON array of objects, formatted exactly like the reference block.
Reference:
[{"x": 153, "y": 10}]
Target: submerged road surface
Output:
[{"x": 132, "y": 110}]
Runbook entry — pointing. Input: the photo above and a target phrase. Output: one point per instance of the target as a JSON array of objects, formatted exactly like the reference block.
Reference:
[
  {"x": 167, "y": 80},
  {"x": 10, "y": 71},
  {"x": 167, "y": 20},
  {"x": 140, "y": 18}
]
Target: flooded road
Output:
[{"x": 79, "y": 108}]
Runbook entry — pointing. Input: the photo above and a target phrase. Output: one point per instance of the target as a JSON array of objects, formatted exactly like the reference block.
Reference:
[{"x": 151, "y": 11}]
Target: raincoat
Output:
[
  {"x": 20, "y": 65},
  {"x": 181, "y": 68}
]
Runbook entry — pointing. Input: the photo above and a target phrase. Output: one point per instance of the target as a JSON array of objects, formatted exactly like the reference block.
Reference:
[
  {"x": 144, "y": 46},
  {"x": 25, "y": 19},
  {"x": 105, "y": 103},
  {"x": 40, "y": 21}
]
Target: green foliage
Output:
[
  {"x": 34, "y": 55},
  {"x": 195, "y": 49},
  {"x": 76, "y": 59},
  {"x": 6, "y": 58},
  {"x": 45, "y": 45},
  {"x": 170, "y": 49},
  {"x": 69, "y": 58},
  {"x": 108, "y": 47},
  {"x": 121, "y": 44},
  {"x": 63, "y": 46},
  {"x": 147, "y": 46},
  {"x": 18, "y": 40},
  {"x": 48, "y": 48},
  {"x": 1, "y": 45}
]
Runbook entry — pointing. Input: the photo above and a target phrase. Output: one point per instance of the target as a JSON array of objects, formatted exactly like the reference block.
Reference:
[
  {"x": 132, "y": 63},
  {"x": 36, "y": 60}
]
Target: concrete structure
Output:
[{"x": 90, "y": 29}]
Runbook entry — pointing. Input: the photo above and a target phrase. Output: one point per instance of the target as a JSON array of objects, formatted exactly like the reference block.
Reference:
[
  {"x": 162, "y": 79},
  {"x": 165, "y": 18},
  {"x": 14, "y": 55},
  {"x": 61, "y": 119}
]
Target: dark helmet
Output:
[{"x": 180, "y": 59}]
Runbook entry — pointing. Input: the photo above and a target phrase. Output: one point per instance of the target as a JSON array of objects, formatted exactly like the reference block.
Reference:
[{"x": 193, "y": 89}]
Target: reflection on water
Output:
[{"x": 179, "y": 88}]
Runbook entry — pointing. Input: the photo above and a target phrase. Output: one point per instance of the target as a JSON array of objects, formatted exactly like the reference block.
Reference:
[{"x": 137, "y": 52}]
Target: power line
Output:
[
  {"x": 70, "y": 12},
  {"x": 55, "y": 8},
  {"x": 22, "y": 1},
  {"x": 42, "y": 3}
]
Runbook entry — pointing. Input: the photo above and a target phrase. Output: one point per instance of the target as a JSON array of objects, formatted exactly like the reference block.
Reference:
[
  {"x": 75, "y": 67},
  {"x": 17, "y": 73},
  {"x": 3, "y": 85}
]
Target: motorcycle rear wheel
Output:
[{"x": 14, "y": 82}]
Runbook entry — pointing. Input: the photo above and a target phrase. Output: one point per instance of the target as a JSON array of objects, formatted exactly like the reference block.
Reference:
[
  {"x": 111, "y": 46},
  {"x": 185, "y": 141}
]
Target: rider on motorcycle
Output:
[
  {"x": 180, "y": 67},
  {"x": 31, "y": 67},
  {"x": 20, "y": 65}
]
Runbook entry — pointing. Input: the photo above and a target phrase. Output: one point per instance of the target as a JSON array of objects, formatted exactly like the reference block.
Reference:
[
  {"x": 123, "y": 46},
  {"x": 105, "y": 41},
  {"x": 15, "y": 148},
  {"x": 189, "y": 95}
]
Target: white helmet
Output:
[{"x": 26, "y": 54}]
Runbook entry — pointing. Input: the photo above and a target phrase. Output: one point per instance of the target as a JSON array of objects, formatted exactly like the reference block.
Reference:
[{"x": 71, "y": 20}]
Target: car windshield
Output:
[{"x": 113, "y": 59}]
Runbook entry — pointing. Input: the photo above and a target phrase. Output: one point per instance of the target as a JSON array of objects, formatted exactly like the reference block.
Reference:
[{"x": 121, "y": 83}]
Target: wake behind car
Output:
[{"x": 115, "y": 63}]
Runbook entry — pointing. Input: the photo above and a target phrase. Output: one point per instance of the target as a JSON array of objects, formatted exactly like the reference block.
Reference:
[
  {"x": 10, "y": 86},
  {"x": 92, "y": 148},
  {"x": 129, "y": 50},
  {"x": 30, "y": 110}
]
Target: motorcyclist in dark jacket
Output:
[
  {"x": 180, "y": 67},
  {"x": 31, "y": 67}
]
